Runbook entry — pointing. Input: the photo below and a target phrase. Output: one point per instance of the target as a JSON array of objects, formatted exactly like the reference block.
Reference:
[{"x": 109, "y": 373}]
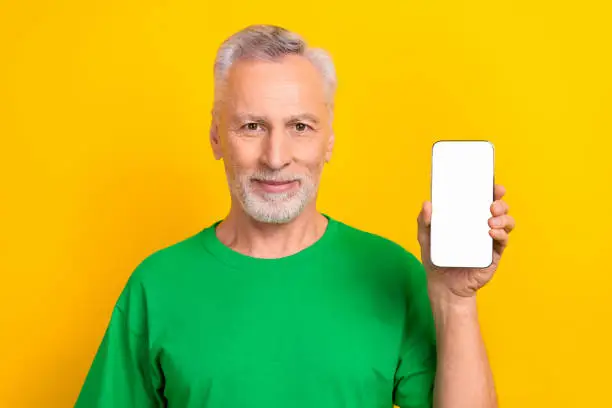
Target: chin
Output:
[
  {"x": 264, "y": 219},
  {"x": 273, "y": 212},
  {"x": 272, "y": 217}
]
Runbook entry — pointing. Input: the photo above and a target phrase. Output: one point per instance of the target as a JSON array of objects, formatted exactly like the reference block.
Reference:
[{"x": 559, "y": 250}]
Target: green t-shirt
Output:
[{"x": 345, "y": 322}]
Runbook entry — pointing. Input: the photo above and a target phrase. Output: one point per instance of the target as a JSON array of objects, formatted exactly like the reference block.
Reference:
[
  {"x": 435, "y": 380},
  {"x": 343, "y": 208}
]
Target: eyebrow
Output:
[
  {"x": 244, "y": 117},
  {"x": 304, "y": 117}
]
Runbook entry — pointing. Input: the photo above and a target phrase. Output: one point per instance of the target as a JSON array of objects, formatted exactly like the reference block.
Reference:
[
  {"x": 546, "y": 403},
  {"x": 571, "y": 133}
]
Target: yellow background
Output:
[{"x": 104, "y": 113}]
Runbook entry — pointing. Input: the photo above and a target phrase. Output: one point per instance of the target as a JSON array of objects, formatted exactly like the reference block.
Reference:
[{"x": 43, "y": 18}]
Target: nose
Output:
[{"x": 276, "y": 150}]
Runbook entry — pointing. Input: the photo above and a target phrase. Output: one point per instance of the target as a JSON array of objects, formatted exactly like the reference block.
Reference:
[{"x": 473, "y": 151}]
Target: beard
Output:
[{"x": 273, "y": 208}]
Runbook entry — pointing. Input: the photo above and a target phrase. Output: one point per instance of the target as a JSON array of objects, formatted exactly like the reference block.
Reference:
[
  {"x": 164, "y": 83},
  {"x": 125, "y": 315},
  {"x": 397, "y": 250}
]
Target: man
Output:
[{"x": 278, "y": 305}]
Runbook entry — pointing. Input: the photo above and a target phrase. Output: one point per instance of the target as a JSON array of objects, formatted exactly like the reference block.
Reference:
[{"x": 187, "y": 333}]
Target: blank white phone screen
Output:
[{"x": 462, "y": 184}]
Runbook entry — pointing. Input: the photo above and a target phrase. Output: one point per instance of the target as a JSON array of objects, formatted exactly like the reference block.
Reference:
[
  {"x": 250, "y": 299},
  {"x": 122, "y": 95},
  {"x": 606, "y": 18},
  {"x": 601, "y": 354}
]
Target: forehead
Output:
[{"x": 275, "y": 87}]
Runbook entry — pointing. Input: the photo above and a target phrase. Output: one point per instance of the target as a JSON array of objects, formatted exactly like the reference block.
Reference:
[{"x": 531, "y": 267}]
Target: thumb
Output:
[{"x": 424, "y": 222}]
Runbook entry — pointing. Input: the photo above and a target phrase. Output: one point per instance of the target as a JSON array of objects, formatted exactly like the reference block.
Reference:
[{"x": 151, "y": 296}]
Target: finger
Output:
[
  {"x": 499, "y": 207},
  {"x": 505, "y": 222},
  {"x": 500, "y": 236},
  {"x": 498, "y": 192}
]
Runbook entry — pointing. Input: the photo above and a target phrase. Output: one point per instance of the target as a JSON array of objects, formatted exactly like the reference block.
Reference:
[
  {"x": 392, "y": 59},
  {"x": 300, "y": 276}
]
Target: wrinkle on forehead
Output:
[{"x": 291, "y": 85}]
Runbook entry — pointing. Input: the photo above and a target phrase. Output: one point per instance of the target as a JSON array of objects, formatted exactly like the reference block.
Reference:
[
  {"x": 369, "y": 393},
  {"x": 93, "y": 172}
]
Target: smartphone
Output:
[{"x": 462, "y": 191}]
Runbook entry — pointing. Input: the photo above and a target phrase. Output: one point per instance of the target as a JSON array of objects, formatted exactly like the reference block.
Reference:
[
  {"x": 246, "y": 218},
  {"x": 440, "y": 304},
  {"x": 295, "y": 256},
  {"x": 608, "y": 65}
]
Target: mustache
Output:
[{"x": 275, "y": 176}]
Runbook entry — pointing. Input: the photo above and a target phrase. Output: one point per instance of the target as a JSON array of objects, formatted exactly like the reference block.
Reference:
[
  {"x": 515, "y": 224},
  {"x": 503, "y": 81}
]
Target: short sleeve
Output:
[
  {"x": 123, "y": 373},
  {"x": 415, "y": 374}
]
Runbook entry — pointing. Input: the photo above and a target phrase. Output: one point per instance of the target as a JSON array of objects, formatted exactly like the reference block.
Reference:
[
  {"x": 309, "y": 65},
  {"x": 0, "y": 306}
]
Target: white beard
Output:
[{"x": 276, "y": 208}]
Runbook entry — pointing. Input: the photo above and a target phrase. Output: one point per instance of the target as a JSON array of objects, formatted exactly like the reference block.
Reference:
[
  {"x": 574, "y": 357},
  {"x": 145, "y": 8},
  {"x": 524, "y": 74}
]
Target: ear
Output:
[
  {"x": 330, "y": 147},
  {"x": 215, "y": 141}
]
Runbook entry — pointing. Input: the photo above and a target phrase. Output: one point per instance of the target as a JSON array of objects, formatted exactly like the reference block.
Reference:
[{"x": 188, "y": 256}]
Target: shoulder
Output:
[
  {"x": 169, "y": 258},
  {"x": 387, "y": 260},
  {"x": 157, "y": 272},
  {"x": 368, "y": 244}
]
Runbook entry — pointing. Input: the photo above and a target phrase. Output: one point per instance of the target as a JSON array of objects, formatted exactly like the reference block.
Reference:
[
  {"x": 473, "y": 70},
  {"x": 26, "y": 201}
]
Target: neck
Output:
[{"x": 261, "y": 240}]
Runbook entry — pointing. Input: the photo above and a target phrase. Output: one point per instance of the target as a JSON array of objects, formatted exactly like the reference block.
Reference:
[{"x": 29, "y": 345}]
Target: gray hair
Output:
[{"x": 270, "y": 42}]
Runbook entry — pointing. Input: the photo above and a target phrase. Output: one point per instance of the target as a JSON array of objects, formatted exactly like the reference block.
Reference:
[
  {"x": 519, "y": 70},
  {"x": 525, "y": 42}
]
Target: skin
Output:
[
  {"x": 464, "y": 377},
  {"x": 275, "y": 119}
]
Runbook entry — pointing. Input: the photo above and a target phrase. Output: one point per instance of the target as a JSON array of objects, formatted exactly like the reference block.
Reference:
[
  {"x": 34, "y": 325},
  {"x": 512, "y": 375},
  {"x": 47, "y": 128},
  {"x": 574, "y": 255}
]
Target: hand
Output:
[{"x": 464, "y": 282}]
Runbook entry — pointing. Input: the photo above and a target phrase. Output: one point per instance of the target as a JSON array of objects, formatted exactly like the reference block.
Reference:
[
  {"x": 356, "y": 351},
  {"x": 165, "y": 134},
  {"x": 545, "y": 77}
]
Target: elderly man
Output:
[{"x": 277, "y": 304}]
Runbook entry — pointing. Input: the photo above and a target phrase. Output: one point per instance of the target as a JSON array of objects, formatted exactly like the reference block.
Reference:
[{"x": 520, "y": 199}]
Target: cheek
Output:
[
  {"x": 311, "y": 155},
  {"x": 242, "y": 154}
]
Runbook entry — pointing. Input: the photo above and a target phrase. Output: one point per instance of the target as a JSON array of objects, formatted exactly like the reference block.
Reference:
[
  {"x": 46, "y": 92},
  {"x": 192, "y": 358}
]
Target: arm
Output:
[
  {"x": 125, "y": 371},
  {"x": 463, "y": 375},
  {"x": 120, "y": 374}
]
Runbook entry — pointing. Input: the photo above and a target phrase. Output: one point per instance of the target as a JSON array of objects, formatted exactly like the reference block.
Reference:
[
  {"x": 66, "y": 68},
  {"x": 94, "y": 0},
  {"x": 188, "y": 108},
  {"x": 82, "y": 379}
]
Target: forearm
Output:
[{"x": 464, "y": 378}]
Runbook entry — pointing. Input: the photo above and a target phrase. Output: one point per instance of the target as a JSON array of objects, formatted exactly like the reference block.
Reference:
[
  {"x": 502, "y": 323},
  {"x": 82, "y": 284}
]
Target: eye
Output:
[
  {"x": 301, "y": 127},
  {"x": 252, "y": 126}
]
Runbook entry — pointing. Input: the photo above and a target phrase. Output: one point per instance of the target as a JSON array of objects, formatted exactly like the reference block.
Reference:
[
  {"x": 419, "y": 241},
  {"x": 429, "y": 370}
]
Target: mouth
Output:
[{"x": 270, "y": 186}]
